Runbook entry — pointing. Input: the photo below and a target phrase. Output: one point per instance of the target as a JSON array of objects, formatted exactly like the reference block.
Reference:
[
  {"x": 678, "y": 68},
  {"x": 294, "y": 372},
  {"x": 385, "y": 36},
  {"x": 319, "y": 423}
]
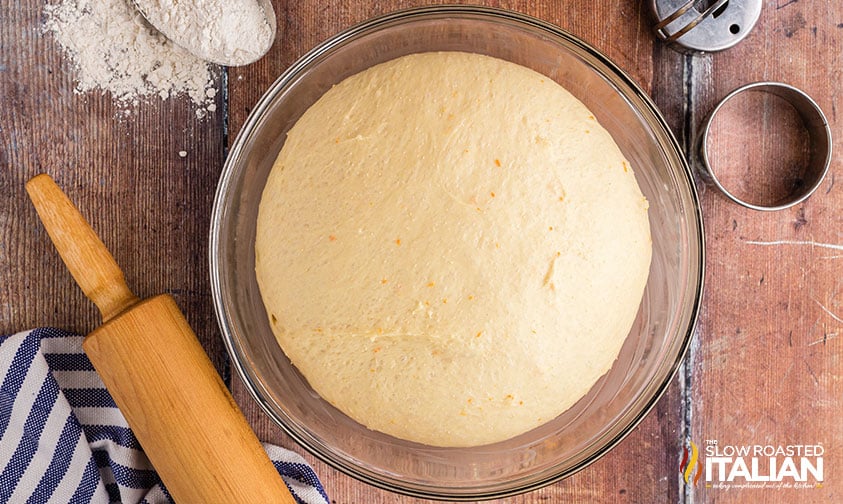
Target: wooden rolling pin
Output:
[{"x": 159, "y": 376}]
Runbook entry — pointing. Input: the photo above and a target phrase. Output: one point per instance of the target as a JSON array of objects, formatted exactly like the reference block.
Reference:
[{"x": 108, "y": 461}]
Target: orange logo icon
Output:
[{"x": 688, "y": 464}]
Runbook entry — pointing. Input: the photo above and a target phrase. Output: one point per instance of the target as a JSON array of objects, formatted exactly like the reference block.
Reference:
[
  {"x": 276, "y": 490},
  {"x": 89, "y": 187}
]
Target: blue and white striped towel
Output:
[{"x": 63, "y": 440}]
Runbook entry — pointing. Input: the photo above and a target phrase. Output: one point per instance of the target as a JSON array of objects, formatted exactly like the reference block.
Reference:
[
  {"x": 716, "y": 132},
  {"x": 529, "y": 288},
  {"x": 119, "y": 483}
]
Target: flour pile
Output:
[
  {"x": 233, "y": 32},
  {"x": 114, "y": 49}
]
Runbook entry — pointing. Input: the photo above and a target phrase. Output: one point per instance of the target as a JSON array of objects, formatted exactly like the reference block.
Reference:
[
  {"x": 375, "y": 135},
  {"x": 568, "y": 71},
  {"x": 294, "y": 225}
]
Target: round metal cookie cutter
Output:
[
  {"x": 707, "y": 26},
  {"x": 820, "y": 136}
]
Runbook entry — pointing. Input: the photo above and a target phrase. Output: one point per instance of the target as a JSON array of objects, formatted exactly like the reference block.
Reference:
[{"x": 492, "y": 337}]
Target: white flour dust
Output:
[{"x": 114, "y": 49}]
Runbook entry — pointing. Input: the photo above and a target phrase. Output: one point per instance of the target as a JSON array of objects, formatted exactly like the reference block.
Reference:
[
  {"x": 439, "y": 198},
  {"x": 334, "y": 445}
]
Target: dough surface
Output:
[{"x": 451, "y": 249}]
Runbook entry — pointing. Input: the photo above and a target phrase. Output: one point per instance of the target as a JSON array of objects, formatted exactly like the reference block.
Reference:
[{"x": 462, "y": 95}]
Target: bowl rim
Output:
[{"x": 236, "y": 357}]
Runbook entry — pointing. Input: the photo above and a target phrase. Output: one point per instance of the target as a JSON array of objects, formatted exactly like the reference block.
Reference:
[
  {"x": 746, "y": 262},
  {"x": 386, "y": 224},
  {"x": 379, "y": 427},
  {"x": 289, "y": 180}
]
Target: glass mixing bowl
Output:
[{"x": 652, "y": 352}]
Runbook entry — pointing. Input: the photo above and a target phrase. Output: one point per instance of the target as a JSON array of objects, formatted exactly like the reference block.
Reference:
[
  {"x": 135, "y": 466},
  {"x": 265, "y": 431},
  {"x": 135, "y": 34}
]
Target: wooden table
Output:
[{"x": 765, "y": 363}]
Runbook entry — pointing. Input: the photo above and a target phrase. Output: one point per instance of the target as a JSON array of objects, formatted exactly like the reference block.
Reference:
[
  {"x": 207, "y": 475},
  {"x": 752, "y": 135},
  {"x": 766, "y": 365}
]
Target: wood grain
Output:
[
  {"x": 150, "y": 206},
  {"x": 764, "y": 366}
]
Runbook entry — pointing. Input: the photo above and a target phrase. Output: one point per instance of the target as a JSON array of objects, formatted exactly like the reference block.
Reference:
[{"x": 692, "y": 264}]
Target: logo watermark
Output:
[
  {"x": 724, "y": 466},
  {"x": 689, "y": 463}
]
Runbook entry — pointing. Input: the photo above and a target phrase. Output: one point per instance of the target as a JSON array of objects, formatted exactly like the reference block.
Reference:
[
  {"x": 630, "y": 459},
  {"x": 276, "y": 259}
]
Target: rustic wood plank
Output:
[
  {"x": 150, "y": 206},
  {"x": 767, "y": 368}
]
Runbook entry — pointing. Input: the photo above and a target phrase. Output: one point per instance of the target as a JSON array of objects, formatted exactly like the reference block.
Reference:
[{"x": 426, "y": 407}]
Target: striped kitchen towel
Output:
[{"x": 63, "y": 440}]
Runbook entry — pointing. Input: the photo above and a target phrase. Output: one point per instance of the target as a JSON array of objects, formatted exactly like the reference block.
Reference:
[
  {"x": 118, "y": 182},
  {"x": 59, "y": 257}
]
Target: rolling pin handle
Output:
[{"x": 88, "y": 260}]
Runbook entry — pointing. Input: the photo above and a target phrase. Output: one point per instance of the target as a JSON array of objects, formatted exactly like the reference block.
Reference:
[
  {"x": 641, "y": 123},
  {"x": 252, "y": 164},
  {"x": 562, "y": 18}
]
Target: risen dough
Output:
[{"x": 451, "y": 249}]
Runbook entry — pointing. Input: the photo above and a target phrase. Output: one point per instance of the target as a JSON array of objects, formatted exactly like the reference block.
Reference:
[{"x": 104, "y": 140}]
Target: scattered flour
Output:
[{"x": 114, "y": 49}]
